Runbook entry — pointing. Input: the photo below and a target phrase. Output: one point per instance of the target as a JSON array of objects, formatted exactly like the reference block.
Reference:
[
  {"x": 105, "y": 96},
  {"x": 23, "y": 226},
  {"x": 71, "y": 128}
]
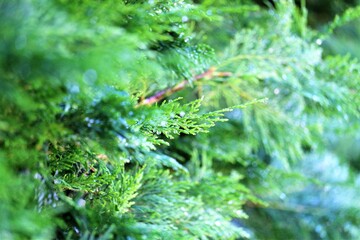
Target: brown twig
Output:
[{"x": 209, "y": 74}]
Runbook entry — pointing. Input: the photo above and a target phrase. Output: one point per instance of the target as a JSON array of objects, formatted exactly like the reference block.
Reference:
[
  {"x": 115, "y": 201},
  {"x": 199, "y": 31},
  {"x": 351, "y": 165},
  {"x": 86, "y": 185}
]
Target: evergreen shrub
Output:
[{"x": 175, "y": 119}]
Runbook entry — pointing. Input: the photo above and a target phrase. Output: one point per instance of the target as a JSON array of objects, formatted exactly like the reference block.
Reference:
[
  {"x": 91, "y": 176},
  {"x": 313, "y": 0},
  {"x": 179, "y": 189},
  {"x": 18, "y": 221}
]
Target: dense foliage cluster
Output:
[{"x": 267, "y": 146}]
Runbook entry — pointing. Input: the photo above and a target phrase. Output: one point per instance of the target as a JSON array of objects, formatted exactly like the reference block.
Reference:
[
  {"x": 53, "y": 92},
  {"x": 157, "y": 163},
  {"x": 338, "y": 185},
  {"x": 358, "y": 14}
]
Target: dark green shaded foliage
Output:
[{"x": 81, "y": 159}]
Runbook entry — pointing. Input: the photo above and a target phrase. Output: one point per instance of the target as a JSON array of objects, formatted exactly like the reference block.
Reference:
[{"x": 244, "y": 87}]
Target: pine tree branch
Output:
[{"x": 209, "y": 74}]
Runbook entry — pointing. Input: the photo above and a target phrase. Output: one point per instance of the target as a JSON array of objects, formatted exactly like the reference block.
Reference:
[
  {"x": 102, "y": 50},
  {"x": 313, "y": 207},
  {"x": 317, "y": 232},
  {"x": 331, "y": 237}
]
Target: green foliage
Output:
[
  {"x": 81, "y": 158},
  {"x": 349, "y": 15}
]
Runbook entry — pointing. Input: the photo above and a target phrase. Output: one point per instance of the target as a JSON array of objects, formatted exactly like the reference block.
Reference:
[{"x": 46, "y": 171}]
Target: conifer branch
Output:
[{"x": 209, "y": 74}]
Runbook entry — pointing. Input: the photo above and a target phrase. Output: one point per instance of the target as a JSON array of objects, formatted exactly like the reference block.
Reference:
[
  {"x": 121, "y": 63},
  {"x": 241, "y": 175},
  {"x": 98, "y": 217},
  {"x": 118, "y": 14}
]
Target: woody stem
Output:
[{"x": 209, "y": 74}]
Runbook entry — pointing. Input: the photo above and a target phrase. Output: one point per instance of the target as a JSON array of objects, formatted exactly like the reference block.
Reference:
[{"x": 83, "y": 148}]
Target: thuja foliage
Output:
[{"x": 85, "y": 156}]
